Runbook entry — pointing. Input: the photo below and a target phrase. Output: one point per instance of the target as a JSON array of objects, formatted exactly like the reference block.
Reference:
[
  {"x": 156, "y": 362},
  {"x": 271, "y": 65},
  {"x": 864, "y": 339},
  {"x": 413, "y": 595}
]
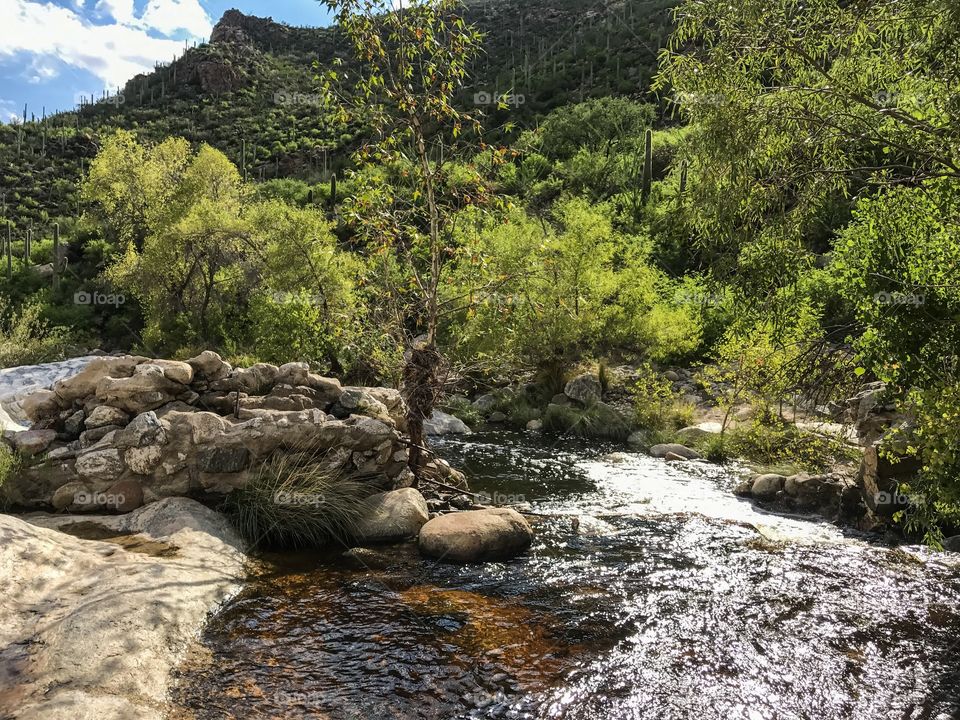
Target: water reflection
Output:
[{"x": 674, "y": 600}]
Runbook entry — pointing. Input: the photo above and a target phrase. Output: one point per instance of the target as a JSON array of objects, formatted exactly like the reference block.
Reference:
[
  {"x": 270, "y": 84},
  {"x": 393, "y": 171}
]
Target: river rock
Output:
[
  {"x": 210, "y": 365},
  {"x": 535, "y": 425},
  {"x": 585, "y": 389},
  {"x": 672, "y": 376},
  {"x": 497, "y": 417},
  {"x": 485, "y": 403},
  {"x": 392, "y": 517},
  {"x": 144, "y": 390},
  {"x": 952, "y": 544},
  {"x": 476, "y": 536},
  {"x": 765, "y": 487},
  {"x": 441, "y": 423},
  {"x": 661, "y": 450}
]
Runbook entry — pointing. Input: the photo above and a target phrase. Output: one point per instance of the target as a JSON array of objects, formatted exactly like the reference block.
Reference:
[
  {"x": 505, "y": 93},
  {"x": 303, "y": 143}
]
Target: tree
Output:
[{"x": 412, "y": 64}]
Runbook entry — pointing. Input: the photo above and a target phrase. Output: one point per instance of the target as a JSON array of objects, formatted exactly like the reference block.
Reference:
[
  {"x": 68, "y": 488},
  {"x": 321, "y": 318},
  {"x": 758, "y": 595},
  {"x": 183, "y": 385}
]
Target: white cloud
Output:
[
  {"x": 52, "y": 34},
  {"x": 168, "y": 16},
  {"x": 120, "y": 10}
]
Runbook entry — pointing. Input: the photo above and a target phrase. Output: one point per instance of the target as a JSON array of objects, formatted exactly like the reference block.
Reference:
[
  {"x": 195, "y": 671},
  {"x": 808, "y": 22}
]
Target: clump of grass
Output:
[
  {"x": 596, "y": 421},
  {"x": 714, "y": 447},
  {"x": 296, "y": 501}
]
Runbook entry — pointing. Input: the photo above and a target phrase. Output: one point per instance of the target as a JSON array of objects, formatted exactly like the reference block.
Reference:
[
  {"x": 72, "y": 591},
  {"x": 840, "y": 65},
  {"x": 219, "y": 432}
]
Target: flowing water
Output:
[{"x": 673, "y": 599}]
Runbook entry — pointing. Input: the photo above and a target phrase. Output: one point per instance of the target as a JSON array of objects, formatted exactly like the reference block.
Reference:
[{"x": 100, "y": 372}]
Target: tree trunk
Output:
[{"x": 420, "y": 392}]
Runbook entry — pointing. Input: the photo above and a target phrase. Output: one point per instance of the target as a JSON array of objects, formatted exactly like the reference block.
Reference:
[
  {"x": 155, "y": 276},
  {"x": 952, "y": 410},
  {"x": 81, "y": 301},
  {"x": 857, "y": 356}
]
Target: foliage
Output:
[
  {"x": 9, "y": 464},
  {"x": 296, "y": 501}
]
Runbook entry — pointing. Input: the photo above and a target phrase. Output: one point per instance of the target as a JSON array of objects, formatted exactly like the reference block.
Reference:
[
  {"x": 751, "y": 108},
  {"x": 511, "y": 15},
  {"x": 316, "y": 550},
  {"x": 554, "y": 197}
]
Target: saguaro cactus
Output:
[
  {"x": 333, "y": 191},
  {"x": 647, "y": 183},
  {"x": 56, "y": 257}
]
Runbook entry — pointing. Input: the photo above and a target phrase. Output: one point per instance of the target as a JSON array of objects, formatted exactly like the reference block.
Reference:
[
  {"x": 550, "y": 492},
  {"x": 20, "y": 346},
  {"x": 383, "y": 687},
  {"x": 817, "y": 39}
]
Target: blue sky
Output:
[{"x": 51, "y": 51}]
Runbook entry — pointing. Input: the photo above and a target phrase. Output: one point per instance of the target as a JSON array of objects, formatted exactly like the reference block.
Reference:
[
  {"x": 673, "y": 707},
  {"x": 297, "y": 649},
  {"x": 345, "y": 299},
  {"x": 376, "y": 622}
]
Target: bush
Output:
[
  {"x": 296, "y": 502},
  {"x": 781, "y": 444},
  {"x": 598, "y": 421},
  {"x": 27, "y": 339},
  {"x": 460, "y": 407}
]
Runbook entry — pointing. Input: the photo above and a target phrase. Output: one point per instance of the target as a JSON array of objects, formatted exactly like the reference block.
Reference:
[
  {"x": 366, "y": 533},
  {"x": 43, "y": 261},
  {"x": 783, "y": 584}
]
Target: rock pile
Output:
[{"x": 130, "y": 430}]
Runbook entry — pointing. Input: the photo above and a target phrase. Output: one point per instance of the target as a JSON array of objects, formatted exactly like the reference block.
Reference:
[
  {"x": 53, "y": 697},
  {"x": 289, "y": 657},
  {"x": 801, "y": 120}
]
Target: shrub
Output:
[
  {"x": 26, "y": 338},
  {"x": 461, "y": 407},
  {"x": 781, "y": 444},
  {"x": 296, "y": 501},
  {"x": 657, "y": 406}
]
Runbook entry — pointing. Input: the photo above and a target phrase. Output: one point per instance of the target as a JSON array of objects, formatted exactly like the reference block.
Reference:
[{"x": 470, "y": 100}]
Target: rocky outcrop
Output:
[
  {"x": 93, "y": 628},
  {"x": 476, "y": 536},
  {"x": 131, "y": 429}
]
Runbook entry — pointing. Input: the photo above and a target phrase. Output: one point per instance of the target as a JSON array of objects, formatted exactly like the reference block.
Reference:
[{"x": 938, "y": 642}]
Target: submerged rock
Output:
[
  {"x": 661, "y": 451},
  {"x": 476, "y": 536}
]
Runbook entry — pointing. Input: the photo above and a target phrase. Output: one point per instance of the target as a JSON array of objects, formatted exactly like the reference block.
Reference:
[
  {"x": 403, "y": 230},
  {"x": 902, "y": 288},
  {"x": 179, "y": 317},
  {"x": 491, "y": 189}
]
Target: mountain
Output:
[{"x": 251, "y": 93}]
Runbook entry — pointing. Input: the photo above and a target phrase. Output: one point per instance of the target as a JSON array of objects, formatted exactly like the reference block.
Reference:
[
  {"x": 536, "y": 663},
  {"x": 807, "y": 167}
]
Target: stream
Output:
[{"x": 672, "y": 599}]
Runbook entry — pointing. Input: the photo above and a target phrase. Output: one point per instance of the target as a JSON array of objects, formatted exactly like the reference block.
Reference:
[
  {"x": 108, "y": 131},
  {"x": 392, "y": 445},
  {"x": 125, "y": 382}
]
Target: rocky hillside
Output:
[{"x": 250, "y": 93}]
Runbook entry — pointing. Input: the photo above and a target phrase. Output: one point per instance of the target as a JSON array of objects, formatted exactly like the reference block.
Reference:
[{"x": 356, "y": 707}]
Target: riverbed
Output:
[{"x": 651, "y": 591}]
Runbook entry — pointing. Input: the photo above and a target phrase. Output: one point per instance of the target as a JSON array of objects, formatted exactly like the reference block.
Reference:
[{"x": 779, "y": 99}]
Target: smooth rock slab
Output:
[
  {"x": 95, "y": 630},
  {"x": 392, "y": 517},
  {"x": 476, "y": 536}
]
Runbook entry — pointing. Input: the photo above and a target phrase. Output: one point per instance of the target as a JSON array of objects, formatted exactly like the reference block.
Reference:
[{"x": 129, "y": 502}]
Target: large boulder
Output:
[
  {"x": 476, "y": 536},
  {"x": 585, "y": 389},
  {"x": 392, "y": 516},
  {"x": 441, "y": 423},
  {"x": 766, "y": 487},
  {"x": 86, "y": 382},
  {"x": 210, "y": 366},
  {"x": 31, "y": 442}
]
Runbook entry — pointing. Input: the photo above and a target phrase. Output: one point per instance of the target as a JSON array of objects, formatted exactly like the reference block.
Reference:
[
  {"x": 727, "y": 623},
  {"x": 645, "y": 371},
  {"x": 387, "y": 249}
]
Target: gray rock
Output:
[
  {"x": 560, "y": 399},
  {"x": 952, "y": 544},
  {"x": 146, "y": 390},
  {"x": 100, "y": 464},
  {"x": 65, "y": 497},
  {"x": 638, "y": 439},
  {"x": 143, "y": 430},
  {"x": 484, "y": 403},
  {"x": 31, "y": 442},
  {"x": 143, "y": 460},
  {"x": 441, "y": 423},
  {"x": 585, "y": 389},
  {"x": 392, "y": 517},
  {"x": 671, "y": 376},
  {"x": 535, "y": 425},
  {"x": 106, "y": 415},
  {"x": 73, "y": 425},
  {"x": 661, "y": 450},
  {"x": 92, "y": 437},
  {"x": 497, "y": 417},
  {"x": 476, "y": 536},
  {"x": 223, "y": 460},
  {"x": 744, "y": 489}
]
